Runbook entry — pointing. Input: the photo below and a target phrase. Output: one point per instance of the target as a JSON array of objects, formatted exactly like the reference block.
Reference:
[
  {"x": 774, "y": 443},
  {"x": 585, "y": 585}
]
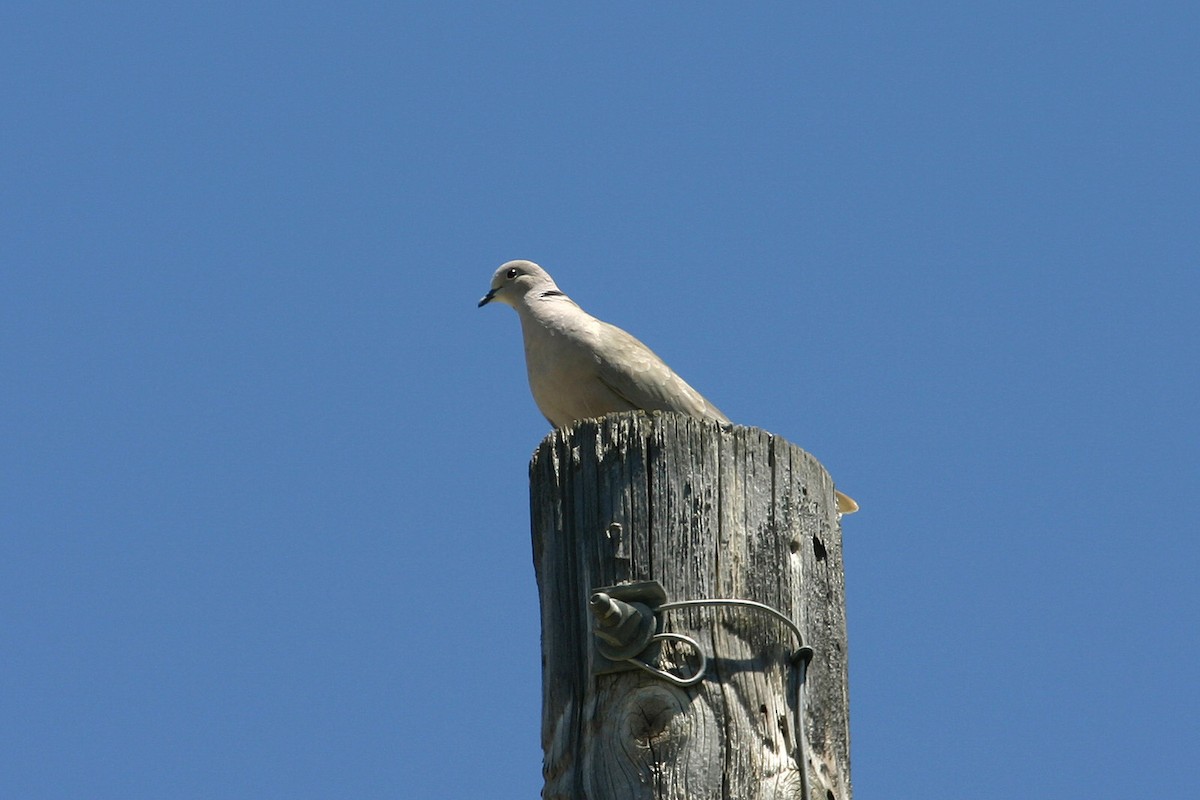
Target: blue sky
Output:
[{"x": 263, "y": 515}]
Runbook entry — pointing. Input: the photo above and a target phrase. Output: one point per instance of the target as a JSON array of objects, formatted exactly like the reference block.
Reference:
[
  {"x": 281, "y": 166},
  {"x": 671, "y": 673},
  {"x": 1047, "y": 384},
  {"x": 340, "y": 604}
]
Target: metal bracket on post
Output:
[
  {"x": 627, "y": 626},
  {"x": 628, "y": 631},
  {"x": 624, "y": 624}
]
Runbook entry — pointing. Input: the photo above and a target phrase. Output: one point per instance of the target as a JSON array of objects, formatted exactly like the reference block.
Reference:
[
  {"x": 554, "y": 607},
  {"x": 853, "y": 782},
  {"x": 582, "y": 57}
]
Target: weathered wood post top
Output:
[{"x": 710, "y": 512}]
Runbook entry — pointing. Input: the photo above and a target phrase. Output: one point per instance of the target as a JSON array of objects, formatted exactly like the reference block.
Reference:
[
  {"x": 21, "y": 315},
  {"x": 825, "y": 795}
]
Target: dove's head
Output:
[{"x": 516, "y": 280}]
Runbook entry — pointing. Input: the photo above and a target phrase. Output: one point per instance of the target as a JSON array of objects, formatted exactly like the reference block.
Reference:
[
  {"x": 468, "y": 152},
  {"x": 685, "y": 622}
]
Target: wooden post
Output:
[{"x": 709, "y": 511}]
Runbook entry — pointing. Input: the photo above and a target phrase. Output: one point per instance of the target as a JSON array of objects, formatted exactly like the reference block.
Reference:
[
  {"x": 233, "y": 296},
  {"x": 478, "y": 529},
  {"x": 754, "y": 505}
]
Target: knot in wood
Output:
[{"x": 647, "y": 713}]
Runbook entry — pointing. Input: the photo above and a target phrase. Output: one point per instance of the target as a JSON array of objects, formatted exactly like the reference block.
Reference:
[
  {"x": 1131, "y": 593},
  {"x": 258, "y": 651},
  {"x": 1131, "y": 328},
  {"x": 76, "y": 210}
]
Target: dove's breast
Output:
[{"x": 562, "y": 360}]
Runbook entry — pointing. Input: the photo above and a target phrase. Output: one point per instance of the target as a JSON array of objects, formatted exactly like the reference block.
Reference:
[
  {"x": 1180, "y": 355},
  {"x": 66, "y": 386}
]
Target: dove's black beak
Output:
[{"x": 487, "y": 298}]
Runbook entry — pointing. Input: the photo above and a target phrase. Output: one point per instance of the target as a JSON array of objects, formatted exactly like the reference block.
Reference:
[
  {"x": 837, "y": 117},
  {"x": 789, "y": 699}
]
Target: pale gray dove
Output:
[{"x": 581, "y": 368}]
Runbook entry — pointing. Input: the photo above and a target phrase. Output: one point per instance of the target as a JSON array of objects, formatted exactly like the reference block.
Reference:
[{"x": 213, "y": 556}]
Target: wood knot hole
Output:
[
  {"x": 819, "y": 549},
  {"x": 649, "y": 715}
]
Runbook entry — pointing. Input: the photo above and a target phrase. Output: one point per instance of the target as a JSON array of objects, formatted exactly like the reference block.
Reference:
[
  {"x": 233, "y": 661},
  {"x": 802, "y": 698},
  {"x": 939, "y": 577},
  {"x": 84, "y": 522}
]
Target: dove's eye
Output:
[{"x": 512, "y": 273}]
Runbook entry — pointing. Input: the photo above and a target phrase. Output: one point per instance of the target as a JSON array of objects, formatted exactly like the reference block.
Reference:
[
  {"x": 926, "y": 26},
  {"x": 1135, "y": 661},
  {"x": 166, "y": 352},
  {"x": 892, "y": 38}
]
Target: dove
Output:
[{"x": 580, "y": 367}]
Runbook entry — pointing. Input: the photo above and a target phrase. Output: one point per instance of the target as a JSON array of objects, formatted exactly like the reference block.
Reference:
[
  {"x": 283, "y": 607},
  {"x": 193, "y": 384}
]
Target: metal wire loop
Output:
[
  {"x": 779, "y": 615},
  {"x": 667, "y": 676}
]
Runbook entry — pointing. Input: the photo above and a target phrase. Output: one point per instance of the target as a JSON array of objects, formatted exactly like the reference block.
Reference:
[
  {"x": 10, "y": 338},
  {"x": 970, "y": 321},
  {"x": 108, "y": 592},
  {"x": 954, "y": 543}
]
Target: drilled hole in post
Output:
[{"x": 819, "y": 549}]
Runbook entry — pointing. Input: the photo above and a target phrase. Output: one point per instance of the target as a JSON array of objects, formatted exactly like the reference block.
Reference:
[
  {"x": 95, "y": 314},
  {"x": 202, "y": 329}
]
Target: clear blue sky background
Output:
[{"x": 263, "y": 511}]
